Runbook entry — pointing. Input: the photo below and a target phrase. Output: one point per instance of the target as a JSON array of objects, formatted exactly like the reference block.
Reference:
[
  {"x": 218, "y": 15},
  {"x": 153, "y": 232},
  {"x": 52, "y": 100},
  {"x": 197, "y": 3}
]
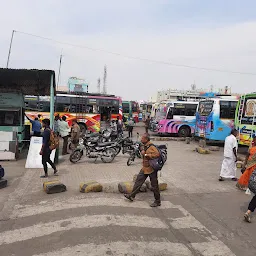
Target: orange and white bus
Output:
[{"x": 88, "y": 109}]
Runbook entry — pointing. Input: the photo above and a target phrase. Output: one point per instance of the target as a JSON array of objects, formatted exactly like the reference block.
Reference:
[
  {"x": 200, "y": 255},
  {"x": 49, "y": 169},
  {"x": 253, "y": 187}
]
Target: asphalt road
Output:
[{"x": 199, "y": 215}]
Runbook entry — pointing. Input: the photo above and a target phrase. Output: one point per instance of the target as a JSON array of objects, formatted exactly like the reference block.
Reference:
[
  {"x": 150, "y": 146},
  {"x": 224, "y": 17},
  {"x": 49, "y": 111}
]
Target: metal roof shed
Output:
[{"x": 29, "y": 82}]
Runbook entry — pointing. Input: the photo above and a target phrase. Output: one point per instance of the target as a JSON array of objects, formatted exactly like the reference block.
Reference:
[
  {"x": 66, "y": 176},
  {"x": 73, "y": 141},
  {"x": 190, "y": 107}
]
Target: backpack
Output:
[
  {"x": 252, "y": 182},
  {"x": 158, "y": 163},
  {"x": 54, "y": 140},
  {"x": 1, "y": 172}
]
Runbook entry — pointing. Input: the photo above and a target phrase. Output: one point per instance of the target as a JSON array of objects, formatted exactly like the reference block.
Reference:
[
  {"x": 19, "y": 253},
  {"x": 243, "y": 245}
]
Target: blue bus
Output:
[{"x": 215, "y": 118}]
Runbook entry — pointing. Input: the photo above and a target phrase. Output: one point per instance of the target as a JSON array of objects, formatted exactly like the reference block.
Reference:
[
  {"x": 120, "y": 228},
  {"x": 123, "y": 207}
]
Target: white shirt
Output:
[
  {"x": 64, "y": 129},
  {"x": 230, "y": 143}
]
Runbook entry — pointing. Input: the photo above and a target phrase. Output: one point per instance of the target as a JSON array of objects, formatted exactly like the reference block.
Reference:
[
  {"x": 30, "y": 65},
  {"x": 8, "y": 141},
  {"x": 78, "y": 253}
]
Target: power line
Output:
[{"x": 137, "y": 58}]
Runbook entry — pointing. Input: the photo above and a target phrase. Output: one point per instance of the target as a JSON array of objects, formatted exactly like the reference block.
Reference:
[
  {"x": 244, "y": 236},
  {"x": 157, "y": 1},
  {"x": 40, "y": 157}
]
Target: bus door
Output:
[{"x": 105, "y": 109}]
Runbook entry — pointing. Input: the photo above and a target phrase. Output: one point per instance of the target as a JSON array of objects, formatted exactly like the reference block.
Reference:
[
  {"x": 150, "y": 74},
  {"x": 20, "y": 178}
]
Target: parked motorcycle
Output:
[
  {"x": 134, "y": 152},
  {"x": 94, "y": 149}
]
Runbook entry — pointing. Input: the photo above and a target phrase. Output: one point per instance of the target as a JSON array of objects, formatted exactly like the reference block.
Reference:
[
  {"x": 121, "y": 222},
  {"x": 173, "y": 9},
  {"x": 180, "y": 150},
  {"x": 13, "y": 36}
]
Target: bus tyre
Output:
[{"x": 184, "y": 132}]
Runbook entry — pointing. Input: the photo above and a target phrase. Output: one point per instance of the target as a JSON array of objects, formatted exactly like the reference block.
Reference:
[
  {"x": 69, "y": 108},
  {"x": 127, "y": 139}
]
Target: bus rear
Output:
[
  {"x": 180, "y": 119},
  {"x": 135, "y": 111},
  {"x": 215, "y": 119},
  {"x": 245, "y": 120}
]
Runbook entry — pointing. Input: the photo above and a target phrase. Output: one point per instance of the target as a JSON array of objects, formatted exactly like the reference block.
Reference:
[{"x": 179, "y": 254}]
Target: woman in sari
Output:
[{"x": 249, "y": 166}]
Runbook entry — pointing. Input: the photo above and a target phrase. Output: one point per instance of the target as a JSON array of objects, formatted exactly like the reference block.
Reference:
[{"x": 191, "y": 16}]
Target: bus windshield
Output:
[
  {"x": 181, "y": 109},
  {"x": 134, "y": 107},
  {"x": 126, "y": 108},
  {"x": 205, "y": 107}
]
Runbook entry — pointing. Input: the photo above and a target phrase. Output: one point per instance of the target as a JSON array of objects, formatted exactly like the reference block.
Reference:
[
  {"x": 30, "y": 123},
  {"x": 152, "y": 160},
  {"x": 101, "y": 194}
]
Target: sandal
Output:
[{"x": 247, "y": 217}]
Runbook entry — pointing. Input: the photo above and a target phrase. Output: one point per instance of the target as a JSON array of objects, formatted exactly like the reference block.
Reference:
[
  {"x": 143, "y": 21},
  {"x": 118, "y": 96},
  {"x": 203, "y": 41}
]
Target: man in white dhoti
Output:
[{"x": 228, "y": 168}]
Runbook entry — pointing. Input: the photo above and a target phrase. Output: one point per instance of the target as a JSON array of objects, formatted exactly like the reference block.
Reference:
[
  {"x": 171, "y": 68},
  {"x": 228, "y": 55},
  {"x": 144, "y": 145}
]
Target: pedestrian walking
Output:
[
  {"x": 119, "y": 125},
  {"x": 75, "y": 134},
  {"x": 248, "y": 167},
  {"x": 130, "y": 127},
  {"x": 56, "y": 124},
  {"x": 252, "y": 204},
  {"x": 149, "y": 152},
  {"x": 147, "y": 122},
  {"x": 64, "y": 132},
  {"x": 36, "y": 126},
  {"x": 45, "y": 150},
  {"x": 228, "y": 168}
]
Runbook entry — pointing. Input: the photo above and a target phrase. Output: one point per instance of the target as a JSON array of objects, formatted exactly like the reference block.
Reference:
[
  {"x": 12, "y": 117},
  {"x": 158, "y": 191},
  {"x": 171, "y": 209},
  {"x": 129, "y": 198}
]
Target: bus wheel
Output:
[
  {"x": 184, "y": 131},
  {"x": 83, "y": 128}
]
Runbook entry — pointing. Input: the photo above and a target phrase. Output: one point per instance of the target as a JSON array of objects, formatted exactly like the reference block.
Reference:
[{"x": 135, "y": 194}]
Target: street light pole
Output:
[
  {"x": 10, "y": 49},
  {"x": 59, "y": 72}
]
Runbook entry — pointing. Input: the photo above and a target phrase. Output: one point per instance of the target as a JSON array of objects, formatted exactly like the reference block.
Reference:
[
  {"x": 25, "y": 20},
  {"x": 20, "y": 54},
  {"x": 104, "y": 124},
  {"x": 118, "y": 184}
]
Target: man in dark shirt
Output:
[
  {"x": 45, "y": 150},
  {"x": 147, "y": 122},
  {"x": 36, "y": 126}
]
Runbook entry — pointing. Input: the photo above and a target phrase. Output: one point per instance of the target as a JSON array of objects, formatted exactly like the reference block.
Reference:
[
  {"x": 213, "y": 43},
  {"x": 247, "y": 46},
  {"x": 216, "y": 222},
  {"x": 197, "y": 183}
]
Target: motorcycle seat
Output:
[{"x": 104, "y": 144}]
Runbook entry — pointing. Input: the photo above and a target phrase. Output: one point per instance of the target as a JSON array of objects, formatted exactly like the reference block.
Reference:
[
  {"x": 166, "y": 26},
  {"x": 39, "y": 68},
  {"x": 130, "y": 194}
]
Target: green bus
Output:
[
  {"x": 131, "y": 109},
  {"x": 245, "y": 119}
]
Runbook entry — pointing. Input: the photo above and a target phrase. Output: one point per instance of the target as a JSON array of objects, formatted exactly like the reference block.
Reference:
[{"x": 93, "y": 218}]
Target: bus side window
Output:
[
  {"x": 233, "y": 105},
  {"x": 61, "y": 107},
  {"x": 227, "y": 109},
  {"x": 44, "y": 106},
  {"x": 89, "y": 109},
  {"x": 73, "y": 108},
  {"x": 191, "y": 109},
  {"x": 179, "y": 111}
]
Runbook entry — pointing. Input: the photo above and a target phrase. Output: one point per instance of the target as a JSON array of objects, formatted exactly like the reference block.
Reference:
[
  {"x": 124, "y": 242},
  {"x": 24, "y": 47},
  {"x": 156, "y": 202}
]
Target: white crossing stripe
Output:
[
  {"x": 124, "y": 249},
  {"x": 45, "y": 206},
  {"x": 187, "y": 222},
  {"x": 86, "y": 221},
  {"x": 213, "y": 248}
]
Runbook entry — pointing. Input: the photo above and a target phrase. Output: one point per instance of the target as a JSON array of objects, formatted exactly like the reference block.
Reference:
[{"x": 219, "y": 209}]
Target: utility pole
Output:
[
  {"x": 59, "y": 72},
  {"x": 105, "y": 80},
  {"x": 10, "y": 49},
  {"x": 98, "y": 85}
]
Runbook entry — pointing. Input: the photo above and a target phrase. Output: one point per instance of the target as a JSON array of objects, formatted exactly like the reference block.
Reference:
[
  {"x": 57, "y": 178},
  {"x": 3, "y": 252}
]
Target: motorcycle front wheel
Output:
[
  {"x": 138, "y": 154},
  {"x": 130, "y": 160},
  {"x": 75, "y": 156},
  {"x": 108, "y": 155}
]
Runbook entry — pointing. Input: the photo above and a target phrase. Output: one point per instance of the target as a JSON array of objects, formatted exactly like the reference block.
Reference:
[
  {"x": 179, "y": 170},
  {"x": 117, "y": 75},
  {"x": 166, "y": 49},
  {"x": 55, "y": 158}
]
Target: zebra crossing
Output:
[{"x": 105, "y": 225}]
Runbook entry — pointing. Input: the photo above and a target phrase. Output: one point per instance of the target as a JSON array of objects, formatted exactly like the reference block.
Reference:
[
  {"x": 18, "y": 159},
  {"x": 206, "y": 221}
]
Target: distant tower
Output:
[
  {"x": 98, "y": 86},
  {"x": 105, "y": 80},
  {"x": 211, "y": 88}
]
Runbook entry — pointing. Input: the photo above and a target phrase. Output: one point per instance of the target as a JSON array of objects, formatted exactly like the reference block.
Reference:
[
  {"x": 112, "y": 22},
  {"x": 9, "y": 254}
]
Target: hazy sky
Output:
[{"x": 218, "y": 34}]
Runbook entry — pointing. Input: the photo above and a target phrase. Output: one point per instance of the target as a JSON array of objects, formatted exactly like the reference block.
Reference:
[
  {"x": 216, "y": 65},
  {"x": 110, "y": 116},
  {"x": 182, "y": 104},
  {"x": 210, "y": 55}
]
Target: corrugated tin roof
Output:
[{"x": 26, "y": 81}]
